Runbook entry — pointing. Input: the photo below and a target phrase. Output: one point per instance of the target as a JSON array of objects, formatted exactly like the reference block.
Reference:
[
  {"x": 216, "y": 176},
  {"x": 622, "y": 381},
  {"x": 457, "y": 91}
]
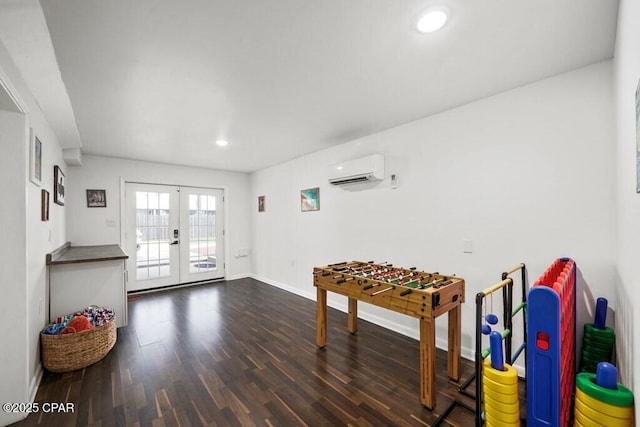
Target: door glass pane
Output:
[
  {"x": 152, "y": 235},
  {"x": 202, "y": 233}
]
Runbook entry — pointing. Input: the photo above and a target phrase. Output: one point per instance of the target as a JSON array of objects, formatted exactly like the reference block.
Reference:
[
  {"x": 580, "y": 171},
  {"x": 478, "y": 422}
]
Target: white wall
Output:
[
  {"x": 13, "y": 365},
  {"x": 527, "y": 175},
  {"x": 42, "y": 238},
  {"x": 91, "y": 226},
  {"x": 626, "y": 76},
  {"x": 27, "y": 240}
]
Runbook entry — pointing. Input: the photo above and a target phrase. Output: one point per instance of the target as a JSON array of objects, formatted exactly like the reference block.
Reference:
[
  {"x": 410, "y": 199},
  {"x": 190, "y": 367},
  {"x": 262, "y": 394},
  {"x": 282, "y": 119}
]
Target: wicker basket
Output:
[{"x": 65, "y": 353}]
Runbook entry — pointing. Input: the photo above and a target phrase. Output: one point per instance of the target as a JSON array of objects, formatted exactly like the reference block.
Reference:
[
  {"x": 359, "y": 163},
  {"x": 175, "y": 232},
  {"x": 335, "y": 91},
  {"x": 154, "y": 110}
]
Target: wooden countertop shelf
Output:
[{"x": 67, "y": 254}]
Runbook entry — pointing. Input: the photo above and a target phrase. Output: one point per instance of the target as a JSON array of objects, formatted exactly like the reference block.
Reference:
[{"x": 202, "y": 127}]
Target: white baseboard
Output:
[
  {"x": 285, "y": 287},
  {"x": 238, "y": 276},
  {"x": 35, "y": 383}
]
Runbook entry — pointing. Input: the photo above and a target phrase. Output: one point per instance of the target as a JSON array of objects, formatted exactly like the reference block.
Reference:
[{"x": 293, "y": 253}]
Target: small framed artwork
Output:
[
  {"x": 35, "y": 159},
  {"x": 310, "y": 199},
  {"x": 45, "y": 205},
  {"x": 260, "y": 203},
  {"x": 96, "y": 198},
  {"x": 58, "y": 185}
]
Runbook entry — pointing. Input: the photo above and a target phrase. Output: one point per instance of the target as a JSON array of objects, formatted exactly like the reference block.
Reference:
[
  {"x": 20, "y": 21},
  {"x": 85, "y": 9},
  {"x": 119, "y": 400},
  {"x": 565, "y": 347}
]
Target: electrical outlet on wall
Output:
[
  {"x": 467, "y": 246},
  {"x": 242, "y": 253}
]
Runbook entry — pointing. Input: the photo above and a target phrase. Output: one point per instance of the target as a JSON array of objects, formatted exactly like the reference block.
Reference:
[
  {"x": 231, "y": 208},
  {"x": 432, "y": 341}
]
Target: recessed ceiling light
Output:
[
  {"x": 222, "y": 143},
  {"x": 432, "y": 20}
]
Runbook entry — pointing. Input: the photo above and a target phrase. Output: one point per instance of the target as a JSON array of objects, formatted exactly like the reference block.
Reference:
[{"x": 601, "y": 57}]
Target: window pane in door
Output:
[
  {"x": 152, "y": 235},
  {"x": 202, "y": 238}
]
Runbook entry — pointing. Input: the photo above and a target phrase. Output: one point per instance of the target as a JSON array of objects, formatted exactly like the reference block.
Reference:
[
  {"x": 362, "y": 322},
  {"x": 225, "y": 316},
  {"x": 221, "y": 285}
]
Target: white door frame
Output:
[{"x": 225, "y": 220}]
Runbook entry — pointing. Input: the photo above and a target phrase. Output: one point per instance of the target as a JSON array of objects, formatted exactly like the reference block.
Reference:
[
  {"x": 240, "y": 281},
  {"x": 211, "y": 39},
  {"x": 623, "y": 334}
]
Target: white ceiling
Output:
[{"x": 160, "y": 80}]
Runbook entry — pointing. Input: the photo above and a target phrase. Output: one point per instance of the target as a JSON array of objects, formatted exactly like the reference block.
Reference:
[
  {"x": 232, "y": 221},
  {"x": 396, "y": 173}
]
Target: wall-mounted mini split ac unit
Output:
[{"x": 365, "y": 169}]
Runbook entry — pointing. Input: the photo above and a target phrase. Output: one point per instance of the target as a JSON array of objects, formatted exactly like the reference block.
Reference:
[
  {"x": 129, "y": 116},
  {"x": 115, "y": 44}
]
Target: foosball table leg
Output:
[
  {"x": 321, "y": 318},
  {"x": 453, "y": 356},
  {"x": 427, "y": 362},
  {"x": 353, "y": 315}
]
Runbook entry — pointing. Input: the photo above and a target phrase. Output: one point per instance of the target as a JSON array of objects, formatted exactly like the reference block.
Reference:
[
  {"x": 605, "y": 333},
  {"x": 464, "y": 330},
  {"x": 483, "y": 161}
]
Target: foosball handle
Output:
[
  {"x": 405, "y": 292},
  {"x": 367, "y": 287}
]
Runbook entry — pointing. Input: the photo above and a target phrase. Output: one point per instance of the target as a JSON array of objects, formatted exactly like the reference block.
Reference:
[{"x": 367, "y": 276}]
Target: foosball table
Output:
[{"x": 404, "y": 290}]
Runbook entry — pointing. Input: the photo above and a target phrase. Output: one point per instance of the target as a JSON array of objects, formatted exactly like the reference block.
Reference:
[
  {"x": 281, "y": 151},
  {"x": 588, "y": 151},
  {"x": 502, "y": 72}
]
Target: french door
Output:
[{"x": 173, "y": 235}]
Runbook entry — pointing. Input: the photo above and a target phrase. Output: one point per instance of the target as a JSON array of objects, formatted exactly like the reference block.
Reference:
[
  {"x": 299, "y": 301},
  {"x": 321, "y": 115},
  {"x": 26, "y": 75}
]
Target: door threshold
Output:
[{"x": 176, "y": 286}]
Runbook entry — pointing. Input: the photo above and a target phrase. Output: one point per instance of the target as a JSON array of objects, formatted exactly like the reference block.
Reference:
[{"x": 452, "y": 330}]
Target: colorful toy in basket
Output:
[
  {"x": 77, "y": 324},
  {"x": 78, "y": 340},
  {"x": 79, "y": 321}
]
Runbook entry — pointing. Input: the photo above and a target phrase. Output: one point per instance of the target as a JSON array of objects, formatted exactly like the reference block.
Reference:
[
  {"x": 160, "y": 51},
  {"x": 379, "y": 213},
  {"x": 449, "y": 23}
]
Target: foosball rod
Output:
[
  {"x": 399, "y": 270},
  {"x": 365, "y": 269},
  {"x": 378, "y": 279},
  {"x": 379, "y": 265},
  {"x": 351, "y": 266},
  {"x": 372, "y": 274},
  {"x": 396, "y": 280},
  {"x": 360, "y": 266},
  {"x": 383, "y": 290},
  {"x": 411, "y": 274},
  {"x": 419, "y": 279}
]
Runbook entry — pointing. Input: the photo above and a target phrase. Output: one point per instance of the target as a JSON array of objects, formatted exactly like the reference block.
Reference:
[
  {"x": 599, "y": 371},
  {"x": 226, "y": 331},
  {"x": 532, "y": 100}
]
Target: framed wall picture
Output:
[
  {"x": 260, "y": 203},
  {"x": 310, "y": 199},
  {"x": 96, "y": 198},
  {"x": 58, "y": 185},
  {"x": 45, "y": 206},
  {"x": 35, "y": 158}
]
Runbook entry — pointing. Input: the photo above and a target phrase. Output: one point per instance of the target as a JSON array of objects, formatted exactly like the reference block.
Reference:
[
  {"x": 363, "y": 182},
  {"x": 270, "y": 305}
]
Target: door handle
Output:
[{"x": 175, "y": 242}]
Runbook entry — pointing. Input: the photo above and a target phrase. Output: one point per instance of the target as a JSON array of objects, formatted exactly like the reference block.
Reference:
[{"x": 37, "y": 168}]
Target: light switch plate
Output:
[{"x": 467, "y": 246}]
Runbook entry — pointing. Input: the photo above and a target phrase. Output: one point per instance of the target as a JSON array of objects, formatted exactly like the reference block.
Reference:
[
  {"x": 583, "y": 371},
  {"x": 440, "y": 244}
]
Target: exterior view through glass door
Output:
[{"x": 174, "y": 235}]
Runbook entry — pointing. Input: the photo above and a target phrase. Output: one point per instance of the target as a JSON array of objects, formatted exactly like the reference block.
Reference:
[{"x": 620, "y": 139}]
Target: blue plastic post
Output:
[
  {"x": 497, "y": 357},
  {"x": 607, "y": 375},
  {"x": 600, "y": 321}
]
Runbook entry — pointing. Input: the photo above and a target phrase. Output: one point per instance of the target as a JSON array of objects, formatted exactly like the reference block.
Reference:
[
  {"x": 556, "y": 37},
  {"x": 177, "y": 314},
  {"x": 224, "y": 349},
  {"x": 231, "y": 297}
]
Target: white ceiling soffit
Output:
[
  {"x": 24, "y": 33},
  {"x": 7, "y": 103},
  {"x": 160, "y": 80}
]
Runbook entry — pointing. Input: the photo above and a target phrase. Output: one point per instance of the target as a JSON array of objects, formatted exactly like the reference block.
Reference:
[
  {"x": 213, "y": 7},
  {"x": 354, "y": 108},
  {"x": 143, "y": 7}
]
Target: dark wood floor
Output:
[{"x": 243, "y": 353}]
